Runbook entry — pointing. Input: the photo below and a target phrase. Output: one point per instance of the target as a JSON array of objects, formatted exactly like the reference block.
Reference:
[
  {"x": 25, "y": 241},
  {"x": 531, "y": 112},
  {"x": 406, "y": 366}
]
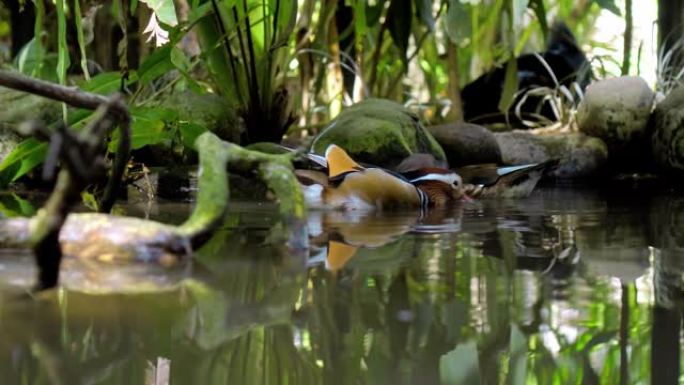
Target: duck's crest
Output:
[{"x": 339, "y": 162}]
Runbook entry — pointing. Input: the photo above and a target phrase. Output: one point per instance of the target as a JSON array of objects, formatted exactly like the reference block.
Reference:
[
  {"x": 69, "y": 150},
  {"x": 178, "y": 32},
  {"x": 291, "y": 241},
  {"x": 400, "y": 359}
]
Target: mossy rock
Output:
[
  {"x": 379, "y": 132},
  {"x": 18, "y": 106}
]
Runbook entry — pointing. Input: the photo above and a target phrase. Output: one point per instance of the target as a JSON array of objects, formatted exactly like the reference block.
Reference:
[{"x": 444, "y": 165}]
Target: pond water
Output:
[{"x": 570, "y": 286}]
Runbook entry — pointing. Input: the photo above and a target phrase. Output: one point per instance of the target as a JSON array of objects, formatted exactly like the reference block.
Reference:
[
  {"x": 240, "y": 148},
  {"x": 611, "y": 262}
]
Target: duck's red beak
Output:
[{"x": 466, "y": 198}]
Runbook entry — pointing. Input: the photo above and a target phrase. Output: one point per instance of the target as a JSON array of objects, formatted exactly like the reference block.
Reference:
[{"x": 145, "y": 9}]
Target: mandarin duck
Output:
[{"x": 351, "y": 186}]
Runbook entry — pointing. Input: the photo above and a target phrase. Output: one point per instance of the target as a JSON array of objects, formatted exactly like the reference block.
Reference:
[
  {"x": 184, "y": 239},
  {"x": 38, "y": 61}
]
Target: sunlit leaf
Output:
[
  {"x": 600, "y": 338},
  {"x": 360, "y": 22},
  {"x": 460, "y": 366},
  {"x": 148, "y": 127},
  {"x": 510, "y": 85},
  {"x": 88, "y": 199},
  {"x": 26, "y": 156},
  {"x": 189, "y": 132},
  {"x": 164, "y": 11}
]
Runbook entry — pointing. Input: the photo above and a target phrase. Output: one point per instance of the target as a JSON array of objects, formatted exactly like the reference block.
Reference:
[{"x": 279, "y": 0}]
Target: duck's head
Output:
[{"x": 441, "y": 186}]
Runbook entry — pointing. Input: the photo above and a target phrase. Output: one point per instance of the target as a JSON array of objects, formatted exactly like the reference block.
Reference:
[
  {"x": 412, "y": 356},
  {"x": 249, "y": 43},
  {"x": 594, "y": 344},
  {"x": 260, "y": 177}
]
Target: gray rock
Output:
[
  {"x": 668, "y": 131},
  {"x": 579, "y": 155},
  {"x": 379, "y": 132},
  {"x": 616, "y": 110},
  {"x": 466, "y": 143},
  {"x": 18, "y": 106}
]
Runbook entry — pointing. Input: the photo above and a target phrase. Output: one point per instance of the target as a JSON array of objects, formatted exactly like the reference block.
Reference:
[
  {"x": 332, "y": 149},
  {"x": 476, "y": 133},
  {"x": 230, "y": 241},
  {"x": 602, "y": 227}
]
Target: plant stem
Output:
[
  {"x": 375, "y": 60},
  {"x": 629, "y": 26}
]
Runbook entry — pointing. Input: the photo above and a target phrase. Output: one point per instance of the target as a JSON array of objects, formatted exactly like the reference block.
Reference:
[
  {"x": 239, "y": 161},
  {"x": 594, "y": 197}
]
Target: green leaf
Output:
[
  {"x": 30, "y": 58},
  {"x": 510, "y": 85},
  {"x": 147, "y": 127},
  {"x": 609, "y": 5},
  {"x": 156, "y": 64},
  {"x": 164, "y": 10},
  {"x": 26, "y": 156},
  {"x": 179, "y": 59},
  {"x": 537, "y": 6},
  {"x": 600, "y": 338},
  {"x": 424, "y": 13},
  {"x": 373, "y": 13},
  {"x": 80, "y": 38},
  {"x": 287, "y": 18},
  {"x": 399, "y": 25},
  {"x": 360, "y": 22},
  {"x": 189, "y": 132},
  {"x": 458, "y": 21},
  {"x": 104, "y": 83},
  {"x": 89, "y": 200},
  {"x": 460, "y": 366},
  {"x": 62, "y": 48},
  {"x": 12, "y": 205}
]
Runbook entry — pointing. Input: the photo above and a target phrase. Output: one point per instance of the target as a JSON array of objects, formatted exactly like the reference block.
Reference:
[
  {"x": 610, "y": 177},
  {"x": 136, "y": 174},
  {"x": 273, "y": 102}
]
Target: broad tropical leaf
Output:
[{"x": 27, "y": 155}]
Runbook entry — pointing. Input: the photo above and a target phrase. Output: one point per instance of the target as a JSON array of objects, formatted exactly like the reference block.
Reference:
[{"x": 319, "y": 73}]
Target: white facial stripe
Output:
[{"x": 450, "y": 178}]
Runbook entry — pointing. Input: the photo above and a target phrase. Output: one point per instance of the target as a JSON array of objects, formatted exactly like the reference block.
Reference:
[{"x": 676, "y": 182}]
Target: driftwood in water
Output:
[
  {"x": 82, "y": 157},
  {"x": 124, "y": 238}
]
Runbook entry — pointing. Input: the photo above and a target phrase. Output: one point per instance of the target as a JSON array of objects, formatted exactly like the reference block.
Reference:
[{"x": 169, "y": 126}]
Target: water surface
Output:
[{"x": 570, "y": 286}]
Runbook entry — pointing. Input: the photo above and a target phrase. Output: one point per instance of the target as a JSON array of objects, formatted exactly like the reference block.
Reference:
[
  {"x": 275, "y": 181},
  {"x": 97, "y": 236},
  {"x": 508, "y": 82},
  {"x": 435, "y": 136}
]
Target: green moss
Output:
[{"x": 380, "y": 132}]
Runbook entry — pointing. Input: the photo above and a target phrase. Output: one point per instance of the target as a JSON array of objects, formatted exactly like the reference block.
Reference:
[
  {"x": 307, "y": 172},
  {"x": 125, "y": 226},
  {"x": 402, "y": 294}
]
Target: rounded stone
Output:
[
  {"x": 466, "y": 143},
  {"x": 379, "y": 132},
  {"x": 616, "y": 110}
]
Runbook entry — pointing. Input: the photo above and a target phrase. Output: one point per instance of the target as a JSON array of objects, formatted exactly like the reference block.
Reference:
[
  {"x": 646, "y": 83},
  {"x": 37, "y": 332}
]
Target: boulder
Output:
[
  {"x": 668, "y": 131},
  {"x": 466, "y": 143},
  {"x": 379, "y": 132},
  {"x": 18, "y": 106},
  {"x": 617, "y": 111},
  {"x": 580, "y": 155}
]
